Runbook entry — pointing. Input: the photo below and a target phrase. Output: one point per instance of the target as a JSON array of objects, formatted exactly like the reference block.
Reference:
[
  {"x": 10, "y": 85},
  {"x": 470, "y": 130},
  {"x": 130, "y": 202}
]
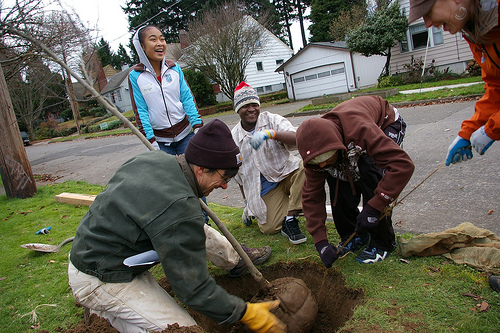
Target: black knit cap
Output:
[{"x": 213, "y": 147}]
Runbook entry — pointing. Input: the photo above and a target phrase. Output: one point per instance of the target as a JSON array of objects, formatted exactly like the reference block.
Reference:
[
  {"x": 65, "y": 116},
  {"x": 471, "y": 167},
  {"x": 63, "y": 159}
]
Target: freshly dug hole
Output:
[{"x": 336, "y": 302}]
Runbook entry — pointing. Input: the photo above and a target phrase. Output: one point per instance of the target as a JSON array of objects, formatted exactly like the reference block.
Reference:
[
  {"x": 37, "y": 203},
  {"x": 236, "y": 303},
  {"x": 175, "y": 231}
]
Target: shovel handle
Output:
[{"x": 251, "y": 267}]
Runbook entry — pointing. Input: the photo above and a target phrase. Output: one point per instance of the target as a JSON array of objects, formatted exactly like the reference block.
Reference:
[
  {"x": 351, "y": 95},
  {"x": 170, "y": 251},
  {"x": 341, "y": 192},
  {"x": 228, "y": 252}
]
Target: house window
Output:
[
  {"x": 260, "y": 89},
  {"x": 259, "y": 66},
  {"x": 338, "y": 71},
  {"x": 417, "y": 36},
  {"x": 279, "y": 62},
  {"x": 269, "y": 88},
  {"x": 437, "y": 36},
  {"x": 311, "y": 77},
  {"x": 323, "y": 74},
  {"x": 299, "y": 79}
]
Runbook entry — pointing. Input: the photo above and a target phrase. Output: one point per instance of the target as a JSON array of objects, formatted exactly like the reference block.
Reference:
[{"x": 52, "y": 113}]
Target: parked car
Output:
[{"x": 26, "y": 139}]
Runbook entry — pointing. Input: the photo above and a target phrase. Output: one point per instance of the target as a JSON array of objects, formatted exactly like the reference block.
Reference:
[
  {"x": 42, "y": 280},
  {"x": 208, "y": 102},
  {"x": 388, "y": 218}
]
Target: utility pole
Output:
[{"x": 15, "y": 169}]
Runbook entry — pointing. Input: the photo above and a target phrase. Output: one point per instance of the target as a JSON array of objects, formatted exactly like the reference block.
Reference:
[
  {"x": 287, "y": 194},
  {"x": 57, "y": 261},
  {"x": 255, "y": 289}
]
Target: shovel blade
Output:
[{"x": 41, "y": 247}]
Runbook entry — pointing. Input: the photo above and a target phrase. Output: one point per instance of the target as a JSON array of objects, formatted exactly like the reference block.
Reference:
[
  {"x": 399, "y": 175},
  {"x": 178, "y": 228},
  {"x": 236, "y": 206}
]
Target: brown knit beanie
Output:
[
  {"x": 213, "y": 147},
  {"x": 243, "y": 95}
]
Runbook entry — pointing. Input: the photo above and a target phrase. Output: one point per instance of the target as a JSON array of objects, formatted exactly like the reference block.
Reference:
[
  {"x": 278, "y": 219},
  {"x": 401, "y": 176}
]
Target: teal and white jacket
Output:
[{"x": 165, "y": 111}]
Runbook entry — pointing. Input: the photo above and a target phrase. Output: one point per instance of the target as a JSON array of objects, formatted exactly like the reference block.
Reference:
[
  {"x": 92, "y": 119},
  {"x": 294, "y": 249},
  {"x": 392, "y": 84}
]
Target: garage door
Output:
[{"x": 324, "y": 80}]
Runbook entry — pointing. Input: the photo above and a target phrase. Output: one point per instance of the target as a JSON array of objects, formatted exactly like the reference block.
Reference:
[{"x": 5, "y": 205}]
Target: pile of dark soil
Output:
[{"x": 335, "y": 301}]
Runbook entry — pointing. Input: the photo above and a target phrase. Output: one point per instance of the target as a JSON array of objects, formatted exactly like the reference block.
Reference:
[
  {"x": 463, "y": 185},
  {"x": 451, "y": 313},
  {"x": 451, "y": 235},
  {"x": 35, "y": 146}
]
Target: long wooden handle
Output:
[{"x": 251, "y": 267}]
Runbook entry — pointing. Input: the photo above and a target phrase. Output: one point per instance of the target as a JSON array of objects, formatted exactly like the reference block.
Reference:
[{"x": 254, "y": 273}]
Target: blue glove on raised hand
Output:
[
  {"x": 459, "y": 150},
  {"x": 245, "y": 217},
  {"x": 367, "y": 219},
  {"x": 260, "y": 136},
  {"x": 480, "y": 141},
  {"x": 327, "y": 252}
]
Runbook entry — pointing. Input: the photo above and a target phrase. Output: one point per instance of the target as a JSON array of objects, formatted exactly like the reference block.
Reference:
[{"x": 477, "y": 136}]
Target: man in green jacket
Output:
[{"x": 151, "y": 203}]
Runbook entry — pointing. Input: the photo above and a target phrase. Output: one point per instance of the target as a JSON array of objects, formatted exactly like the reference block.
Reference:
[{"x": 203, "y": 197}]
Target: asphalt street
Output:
[{"x": 463, "y": 192}]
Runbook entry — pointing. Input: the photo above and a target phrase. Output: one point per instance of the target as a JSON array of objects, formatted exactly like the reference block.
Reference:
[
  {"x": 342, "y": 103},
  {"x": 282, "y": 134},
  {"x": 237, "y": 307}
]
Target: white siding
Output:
[
  {"x": 273, "y": 50},
  {"x": 123, "y": 103},
  {"x": 367, "y": 69},
  {"x": 316, "y": 57},
  {"x": 453, "y": 53}
]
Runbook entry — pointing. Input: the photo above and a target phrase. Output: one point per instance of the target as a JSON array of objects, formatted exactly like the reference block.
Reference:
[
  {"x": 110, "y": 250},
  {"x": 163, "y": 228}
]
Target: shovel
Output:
[{"x": 46, "y": 247}]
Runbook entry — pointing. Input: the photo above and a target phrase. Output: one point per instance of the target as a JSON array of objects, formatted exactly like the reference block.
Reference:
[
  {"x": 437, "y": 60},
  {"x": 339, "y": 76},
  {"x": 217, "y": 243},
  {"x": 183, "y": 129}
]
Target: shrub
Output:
[
  {"x": 98, "y": 111},
  {"x": 114, "y": 124},
  {"x": 84, "y": 112},
  {"x": 390, "y": 81},
  {"x": 92, "y": 103},
  {"x": 202, "y": 90},
  {"x": 66, "y": 114}
]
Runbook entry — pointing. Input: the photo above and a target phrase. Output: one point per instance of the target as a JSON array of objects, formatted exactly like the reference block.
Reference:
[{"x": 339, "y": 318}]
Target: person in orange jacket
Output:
[{"x": 478, "y": 20}]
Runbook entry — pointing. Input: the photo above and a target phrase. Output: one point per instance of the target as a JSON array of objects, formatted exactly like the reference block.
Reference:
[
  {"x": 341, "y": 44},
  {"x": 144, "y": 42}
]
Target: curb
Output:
[{"x": 397, "y": 104}]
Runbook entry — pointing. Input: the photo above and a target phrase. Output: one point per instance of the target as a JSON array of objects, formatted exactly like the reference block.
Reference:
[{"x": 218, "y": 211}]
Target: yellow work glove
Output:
[{"x": 259, "y": 319}]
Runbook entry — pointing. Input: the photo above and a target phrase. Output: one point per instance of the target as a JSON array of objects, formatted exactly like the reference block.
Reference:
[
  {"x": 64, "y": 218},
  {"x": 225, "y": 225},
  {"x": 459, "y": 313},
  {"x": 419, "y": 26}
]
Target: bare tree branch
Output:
[{"x": 224, "y": 41}]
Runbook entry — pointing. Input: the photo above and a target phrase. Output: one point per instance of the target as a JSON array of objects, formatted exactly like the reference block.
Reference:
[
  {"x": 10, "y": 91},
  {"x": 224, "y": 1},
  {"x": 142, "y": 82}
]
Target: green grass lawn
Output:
[
  {"x": 476, "y": 89},
  {"x": 426, "y": 292}
]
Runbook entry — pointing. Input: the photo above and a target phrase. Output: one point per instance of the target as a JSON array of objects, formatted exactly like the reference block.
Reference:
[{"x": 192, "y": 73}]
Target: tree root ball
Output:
[{"x": 298, "y": 308}]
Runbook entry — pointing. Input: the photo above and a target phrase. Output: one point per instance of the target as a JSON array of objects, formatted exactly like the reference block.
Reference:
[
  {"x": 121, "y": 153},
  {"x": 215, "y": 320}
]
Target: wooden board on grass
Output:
[{"x": 75, "y": 198}]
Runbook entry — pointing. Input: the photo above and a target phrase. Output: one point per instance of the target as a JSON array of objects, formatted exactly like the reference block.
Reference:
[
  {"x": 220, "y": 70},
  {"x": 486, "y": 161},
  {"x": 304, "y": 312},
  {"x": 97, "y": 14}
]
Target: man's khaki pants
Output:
[
  {"x": 281, "y": 199},
  {"x": 142, "y": 305}
]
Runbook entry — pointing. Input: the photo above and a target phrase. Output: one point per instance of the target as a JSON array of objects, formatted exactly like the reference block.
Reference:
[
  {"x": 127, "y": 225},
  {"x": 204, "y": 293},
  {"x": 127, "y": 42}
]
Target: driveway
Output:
[{"x": 464, "y": 192}]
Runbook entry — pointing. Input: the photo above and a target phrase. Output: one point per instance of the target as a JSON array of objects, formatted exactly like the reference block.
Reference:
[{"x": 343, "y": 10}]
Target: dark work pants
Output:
[{"x": 346, "y": 208}]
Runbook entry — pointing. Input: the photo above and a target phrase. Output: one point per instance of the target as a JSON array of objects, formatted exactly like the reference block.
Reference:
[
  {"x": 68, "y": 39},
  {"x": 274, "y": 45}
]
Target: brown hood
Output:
[{"x": 316, "y": 136}]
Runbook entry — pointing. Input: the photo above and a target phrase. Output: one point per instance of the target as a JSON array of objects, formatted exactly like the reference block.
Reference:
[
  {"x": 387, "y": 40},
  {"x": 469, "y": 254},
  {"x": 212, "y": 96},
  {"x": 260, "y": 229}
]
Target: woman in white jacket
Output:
[{"x": 164, "y": 106}]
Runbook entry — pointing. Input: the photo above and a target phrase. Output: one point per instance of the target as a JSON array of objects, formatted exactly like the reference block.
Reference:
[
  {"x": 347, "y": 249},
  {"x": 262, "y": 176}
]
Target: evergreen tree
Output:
[
  {"x": 170, "y": 16},
  {"x": 379, "y": 33},
  {"x": 323, "y": 12},
  {"x": 121, "y": 58},
  {"x": 104, "y": 52}
]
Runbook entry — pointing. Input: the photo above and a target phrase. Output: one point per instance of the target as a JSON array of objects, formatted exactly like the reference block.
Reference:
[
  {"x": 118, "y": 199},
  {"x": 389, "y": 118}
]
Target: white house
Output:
[
  {"x": 261, "y": 71},
  {"x": 117, "y": 91},
  {"x": 329, "y": 68},
  {"x": 447, "y": 50}
]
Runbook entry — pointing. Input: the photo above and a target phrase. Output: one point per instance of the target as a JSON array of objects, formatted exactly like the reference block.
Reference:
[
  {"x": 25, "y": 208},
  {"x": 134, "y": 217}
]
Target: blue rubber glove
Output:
[
  {"x": 260, "y": 136},
  {"x": 43, "y": 231},
  {"x": 459, "y": 150},
  {"x": 327, "y": 252},
  {"x": 480, "y": 141},
  {"x": 368, "y": 219},
  {"x": 245, "y": 218},
  {"x": 156, "y": 146}
]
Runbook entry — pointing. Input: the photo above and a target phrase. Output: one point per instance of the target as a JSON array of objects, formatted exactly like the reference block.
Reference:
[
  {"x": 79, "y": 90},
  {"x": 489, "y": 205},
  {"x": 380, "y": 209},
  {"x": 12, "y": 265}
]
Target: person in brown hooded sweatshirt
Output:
[{"x": 356, "y": 149}]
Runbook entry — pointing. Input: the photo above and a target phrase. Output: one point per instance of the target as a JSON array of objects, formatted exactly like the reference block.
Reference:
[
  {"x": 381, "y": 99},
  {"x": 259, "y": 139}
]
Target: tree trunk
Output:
[
  {"x": 72, "y": 102},
  {"x": 15, "y": 169},
  {"x": 301, "y": 21},
  {"x": 288, "y": 24},
  {"x": 388, "y": 63}
]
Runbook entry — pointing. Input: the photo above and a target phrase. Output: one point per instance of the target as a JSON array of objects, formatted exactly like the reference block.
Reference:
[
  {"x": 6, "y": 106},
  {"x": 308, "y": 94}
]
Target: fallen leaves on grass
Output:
[
  {"x": 473, "y": 296},
  {"x": 483, "y": 307}
]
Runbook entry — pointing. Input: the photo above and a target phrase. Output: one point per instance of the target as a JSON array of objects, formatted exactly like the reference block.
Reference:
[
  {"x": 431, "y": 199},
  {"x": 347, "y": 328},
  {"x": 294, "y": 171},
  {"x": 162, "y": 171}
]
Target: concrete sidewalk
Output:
[{"x": 421, "y": 90}]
